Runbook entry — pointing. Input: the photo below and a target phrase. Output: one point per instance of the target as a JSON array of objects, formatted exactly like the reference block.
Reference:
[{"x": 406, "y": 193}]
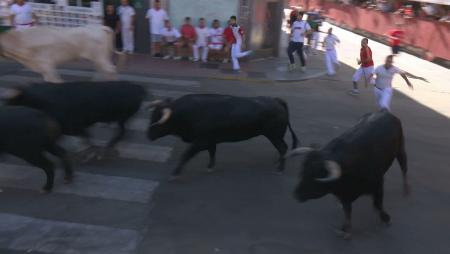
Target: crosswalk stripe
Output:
[
  {"x": 127, "y": 150},
  {"x": 84, "y": 184},
  {"x": 23, "y": 233}
]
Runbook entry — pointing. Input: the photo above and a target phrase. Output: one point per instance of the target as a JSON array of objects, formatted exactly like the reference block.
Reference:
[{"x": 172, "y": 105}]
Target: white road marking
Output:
[
  {"x": 84, "y": 184},
  {"x": 23, "y": 233}
]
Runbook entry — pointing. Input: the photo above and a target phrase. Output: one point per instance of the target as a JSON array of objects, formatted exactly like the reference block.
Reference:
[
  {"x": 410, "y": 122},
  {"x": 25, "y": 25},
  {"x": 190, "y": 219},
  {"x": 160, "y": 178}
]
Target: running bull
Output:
[
  {"x": 28, "y": 133},
  {"x": 79, "y": 105},
  {"x": 354, "y": 164},
  {"x": 43, "y": 48},
  {"x": 204, "y": 120}
]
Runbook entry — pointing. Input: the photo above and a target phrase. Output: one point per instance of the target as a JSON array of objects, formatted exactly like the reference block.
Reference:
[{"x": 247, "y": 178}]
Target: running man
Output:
[
  {"x": 383, "y": 82},
  {"x": 299, "y": 29},
  {"x": 366, "y": 68},
  {"x": 330, "y": 52}
]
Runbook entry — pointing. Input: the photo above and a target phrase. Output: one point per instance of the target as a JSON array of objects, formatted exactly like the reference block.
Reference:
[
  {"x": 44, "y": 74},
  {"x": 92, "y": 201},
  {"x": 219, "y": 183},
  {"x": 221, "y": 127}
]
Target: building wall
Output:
[
  {"x": 429, "y": 35},
  {"x": 208, "y": 9}
]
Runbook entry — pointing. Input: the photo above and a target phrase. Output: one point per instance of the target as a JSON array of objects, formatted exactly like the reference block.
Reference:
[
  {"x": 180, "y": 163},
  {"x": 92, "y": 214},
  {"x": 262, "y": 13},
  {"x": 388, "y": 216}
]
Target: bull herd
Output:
[{"x": 351, "y": 165}]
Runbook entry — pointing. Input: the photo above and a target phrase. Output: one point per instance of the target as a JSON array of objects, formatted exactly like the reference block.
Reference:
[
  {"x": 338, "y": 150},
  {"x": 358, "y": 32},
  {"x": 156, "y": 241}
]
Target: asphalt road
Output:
[{"x": 125, "y": 205}]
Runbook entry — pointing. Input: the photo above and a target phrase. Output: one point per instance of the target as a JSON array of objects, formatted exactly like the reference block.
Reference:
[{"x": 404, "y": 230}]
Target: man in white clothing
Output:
[
  {"x": 330, "y": 52},
  {"x": 156, "y": 17},
  {"x": 201, "y": 41},
  {"x": 22, "y": 15},
  {"x": 170, "y": 37},
  {"x": 216, "y": 40},
  {"x": 236, "y": 47},
  {"x": 127, "y": 21},
  {"x": 383, "y": 82},
  {"x": 299, "y": 30}
]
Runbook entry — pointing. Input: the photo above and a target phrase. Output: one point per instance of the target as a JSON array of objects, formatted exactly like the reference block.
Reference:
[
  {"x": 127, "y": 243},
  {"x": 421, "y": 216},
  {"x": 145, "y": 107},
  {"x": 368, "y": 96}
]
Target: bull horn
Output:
[
  {"x": 10, "y": 93},
  {"x": 153, "y": 104},
  {"x": 167, "y": 112},
  {"x": 298, "y": 151},
  {"x": 334, "y": 172}
]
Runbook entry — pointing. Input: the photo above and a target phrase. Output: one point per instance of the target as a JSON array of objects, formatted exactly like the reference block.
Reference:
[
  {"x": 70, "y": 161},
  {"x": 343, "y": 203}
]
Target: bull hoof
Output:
[
  {"x": 174, "y": 178},
  {"x": 343, "y": 234},
  {"x": 68, "y": 179},
  {"x": 278, "y": 172},
  {"x": 385, "y": 218},
  {"x": 46, "y": 190}
]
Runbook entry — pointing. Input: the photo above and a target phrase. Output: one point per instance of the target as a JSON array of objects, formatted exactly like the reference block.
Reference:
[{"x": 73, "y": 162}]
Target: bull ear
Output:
[
  {"x": 298, "y": 151},
  {"x": 334, "y": 171},
  {"x": 9, "y": 94}
]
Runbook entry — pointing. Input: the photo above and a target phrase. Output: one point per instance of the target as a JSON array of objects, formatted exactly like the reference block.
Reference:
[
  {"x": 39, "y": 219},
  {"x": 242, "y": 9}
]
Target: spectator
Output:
[
  {"x": 201, "y": 41},
  {"x": 299, "y": 29},
  {"x": 22, "y": 15},
  {"x": 330, "y": 51},
  {"x": 395, "y": 36},
  {"x": 113, "y": 21},
  {"x": 170, "y": 37},
  {"x": 366, "y": 68},
  {"x": 229, "y": 38},
  {"x": 215, "y": 39},
  {"x": 156, "y": 17},
  {"x": 188, "y": 36},
  {"x": 127, "y": 21}
]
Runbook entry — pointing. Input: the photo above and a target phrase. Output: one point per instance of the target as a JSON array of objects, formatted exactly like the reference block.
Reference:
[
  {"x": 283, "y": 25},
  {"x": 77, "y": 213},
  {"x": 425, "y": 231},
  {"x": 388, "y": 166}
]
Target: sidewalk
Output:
[{"x": 259, "y": 69}]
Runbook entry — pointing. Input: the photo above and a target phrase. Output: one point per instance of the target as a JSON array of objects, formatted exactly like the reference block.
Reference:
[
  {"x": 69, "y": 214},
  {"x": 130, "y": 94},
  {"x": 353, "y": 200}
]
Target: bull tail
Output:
[
  {"x": 402, "y": 161},
  {"x": 295, "y": 141},
  {"x": 122, "y": 57}
]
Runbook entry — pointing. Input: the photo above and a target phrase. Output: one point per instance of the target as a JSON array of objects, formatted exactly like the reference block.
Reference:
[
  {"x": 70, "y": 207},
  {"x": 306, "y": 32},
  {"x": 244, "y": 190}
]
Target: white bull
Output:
[{"x": 42, "y": 48}]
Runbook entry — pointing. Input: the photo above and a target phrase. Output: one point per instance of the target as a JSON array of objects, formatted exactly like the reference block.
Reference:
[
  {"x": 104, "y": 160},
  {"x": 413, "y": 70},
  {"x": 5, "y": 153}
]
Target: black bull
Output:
[
  {"x": 354, "y": 164},
  {"x": 204, "y": 120},
  {"x": 28, "y": 133},
  {"x": 79, "y": 105}
]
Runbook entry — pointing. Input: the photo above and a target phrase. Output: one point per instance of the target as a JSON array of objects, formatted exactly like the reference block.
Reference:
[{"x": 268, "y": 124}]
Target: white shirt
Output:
[
  {"x": 156, "y": 20},
  {"x": 216, "y": 35},
  {"x": 384, "y": 77},
  {"x": 170, "y": 36},
  {"x": 23, "y": 14},
  {"x": 330, "y": 41},
  {"x": 202, "y": 36},
  {"x": 298, "y": 31},
  {"x": 126, "y": 13}
]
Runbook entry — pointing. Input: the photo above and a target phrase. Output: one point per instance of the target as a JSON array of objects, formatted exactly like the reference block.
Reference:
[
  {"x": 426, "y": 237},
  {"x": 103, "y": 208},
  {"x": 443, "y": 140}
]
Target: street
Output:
[{"x": 125, "y": 205}]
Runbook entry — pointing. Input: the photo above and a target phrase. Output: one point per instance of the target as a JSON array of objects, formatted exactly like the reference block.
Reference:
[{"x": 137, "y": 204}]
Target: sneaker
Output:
[
  {"x": 354, "y": 92},
  {"x": 176, "y": 57},
  {"x": 225, "y": 60},
  {"x": 249, "y": 53},
  {"x": 195, "y": 59},
  {"x": 303, "y": 69},
  {"x": 190, "y": 58},
  {"x": 166, "y": 57},
  {"x": 291, "y": 67}
]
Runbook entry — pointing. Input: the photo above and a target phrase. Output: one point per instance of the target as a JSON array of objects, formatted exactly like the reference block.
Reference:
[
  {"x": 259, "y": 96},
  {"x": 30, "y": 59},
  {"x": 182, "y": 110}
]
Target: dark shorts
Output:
[{"x": 395, "y": 49}]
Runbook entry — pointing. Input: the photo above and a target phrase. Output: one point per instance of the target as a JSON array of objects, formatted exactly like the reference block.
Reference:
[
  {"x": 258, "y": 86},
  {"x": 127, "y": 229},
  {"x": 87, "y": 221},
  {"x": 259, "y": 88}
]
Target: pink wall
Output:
[{"x": 430, "y": 35}]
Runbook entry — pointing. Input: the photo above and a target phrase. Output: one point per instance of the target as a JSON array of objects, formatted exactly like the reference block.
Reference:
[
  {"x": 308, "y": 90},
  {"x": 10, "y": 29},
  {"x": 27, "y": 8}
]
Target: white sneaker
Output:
[
  {"x": 354, "y": 92},
  {"x": 195, "y": 60},
  {"x": 291, "y": 67},
  {"x": 190, "y": 58},
  {"x": 303, "y": 69},
  {"x": 176, "y": 57},
  {"x": 166, "y": 57}
]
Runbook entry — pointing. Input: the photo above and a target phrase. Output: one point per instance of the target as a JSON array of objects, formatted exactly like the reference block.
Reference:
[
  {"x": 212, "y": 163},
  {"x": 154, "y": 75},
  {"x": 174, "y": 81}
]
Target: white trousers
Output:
[
  {"x": 236, "y": 54},
  {"x": 383, "y": 97},
  {"x": 127, "y": 39},
  {"x": 205, "y": 49},
  {"x": 316, "y": 37},
  {"x": 331, "y": 60},
  {"x": 365, "y": 72}
]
